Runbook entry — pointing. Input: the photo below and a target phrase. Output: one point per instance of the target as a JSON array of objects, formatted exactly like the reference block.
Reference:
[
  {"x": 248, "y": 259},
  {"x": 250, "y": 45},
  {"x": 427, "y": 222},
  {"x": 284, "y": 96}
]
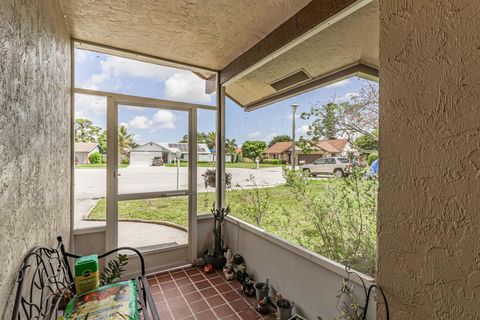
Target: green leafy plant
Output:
[
  {"x": 372, "y": 157},
  {"x": 95, "y": 158},
  {"x": 114, "y": 269},
  {"x": 256, "y": 200}
]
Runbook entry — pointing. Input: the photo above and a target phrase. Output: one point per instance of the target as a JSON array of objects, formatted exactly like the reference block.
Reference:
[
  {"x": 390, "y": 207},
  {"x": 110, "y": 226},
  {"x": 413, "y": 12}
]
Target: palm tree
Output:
[{"x": 125, "y": 140}]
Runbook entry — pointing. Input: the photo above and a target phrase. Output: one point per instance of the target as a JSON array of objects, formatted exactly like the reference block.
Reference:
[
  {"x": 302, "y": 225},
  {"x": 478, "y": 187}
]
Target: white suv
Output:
[{"x": 339, "y": 166}]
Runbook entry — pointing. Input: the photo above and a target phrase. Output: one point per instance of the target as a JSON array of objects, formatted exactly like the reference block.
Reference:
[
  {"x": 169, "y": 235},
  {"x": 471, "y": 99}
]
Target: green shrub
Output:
[
  {"x": 372, "y": 157},
  {"x": 95, "y": 158},
  {"x": 271, "y": 161},
  {"x": 125, "y": 161}
]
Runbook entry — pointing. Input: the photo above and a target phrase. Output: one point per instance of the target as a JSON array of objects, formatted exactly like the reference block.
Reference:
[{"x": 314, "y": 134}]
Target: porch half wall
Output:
[
  {"x": 429, "y": 197},
  {"x": 34, "y": 134}
]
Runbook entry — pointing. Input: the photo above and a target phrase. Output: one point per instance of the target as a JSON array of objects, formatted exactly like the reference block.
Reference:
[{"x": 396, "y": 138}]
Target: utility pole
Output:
[{"x": 294, "y": 110}]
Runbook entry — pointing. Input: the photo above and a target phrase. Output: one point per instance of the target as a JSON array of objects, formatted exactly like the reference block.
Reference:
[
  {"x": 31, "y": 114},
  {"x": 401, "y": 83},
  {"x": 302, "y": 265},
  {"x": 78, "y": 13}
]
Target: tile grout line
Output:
[
  {"x": 182, "y": 295},
  {"x": 161, "y": 290}
]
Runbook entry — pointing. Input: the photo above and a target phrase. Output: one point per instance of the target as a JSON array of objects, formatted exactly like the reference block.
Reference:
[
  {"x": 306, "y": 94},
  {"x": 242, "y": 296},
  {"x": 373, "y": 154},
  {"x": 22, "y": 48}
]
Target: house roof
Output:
[
  {"x": 174, "y": 147},
  {"x": 85, "y": 146},
  {"x": 281, "y": 147}
]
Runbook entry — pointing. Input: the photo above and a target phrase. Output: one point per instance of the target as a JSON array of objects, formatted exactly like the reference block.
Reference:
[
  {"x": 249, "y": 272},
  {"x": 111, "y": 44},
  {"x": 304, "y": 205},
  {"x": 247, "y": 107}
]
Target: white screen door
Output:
[{"x": 151, "y": 181}]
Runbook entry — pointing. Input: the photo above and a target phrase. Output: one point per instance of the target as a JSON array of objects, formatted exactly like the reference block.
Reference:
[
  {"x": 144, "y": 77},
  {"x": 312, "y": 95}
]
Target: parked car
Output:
[
  {"x": 338, "y": 166},
  {"x": 157, "y": 161}
]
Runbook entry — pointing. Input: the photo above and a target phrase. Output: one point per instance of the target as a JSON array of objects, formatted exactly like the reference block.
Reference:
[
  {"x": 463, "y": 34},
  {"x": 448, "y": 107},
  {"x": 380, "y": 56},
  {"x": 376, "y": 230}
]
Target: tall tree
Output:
[
  {"x": 125, "y": 140},
  {"x": 85, "y": 131},
  {"x": 253, "y": 149},
  {"x": 209, "y": 138},
  {"x": 351, "y": 119},
  {"x": 280, "y": 138}
]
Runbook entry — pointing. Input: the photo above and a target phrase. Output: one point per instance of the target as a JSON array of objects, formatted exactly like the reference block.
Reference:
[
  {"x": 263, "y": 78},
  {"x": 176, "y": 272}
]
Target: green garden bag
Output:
[{"x": 116, "y": 301}]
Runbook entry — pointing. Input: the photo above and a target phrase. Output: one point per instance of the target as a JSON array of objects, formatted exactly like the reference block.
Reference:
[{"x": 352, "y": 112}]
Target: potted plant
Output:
[
  {"x": 209, "y": 178},
  {"x": 216, "y": 257}
]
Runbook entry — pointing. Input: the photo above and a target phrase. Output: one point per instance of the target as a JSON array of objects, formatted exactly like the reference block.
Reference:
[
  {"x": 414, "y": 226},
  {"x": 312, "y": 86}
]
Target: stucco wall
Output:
[
  {"x": 34, "y": 132},
  {"x": 429, "y": 220}
]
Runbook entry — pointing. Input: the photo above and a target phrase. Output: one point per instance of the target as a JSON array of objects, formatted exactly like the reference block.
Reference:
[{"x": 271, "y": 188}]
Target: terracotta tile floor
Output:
[{"x": 188, "y": 293}]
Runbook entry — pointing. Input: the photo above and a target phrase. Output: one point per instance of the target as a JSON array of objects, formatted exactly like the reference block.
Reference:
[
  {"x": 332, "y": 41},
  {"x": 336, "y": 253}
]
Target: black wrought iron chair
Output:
[{"x": 45, "y": 281}]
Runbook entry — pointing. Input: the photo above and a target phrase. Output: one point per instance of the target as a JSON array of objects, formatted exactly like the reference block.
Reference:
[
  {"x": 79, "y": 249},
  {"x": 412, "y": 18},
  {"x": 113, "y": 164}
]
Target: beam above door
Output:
[{"x": 313, "y": 18}]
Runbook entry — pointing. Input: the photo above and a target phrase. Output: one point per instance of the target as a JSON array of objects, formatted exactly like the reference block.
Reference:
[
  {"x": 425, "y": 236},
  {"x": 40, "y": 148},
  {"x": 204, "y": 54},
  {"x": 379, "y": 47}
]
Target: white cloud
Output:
[
  {"x": 272, "y": 135},
  {"x": 161, "y": 119},
  {"x": 165, "y": 119},
  {"x": 179, "y": 84},
  {"x": 341, "y": 83},
  {"x": 90, "y": 107},
  {"x": 290, "y": 116},
  {"x": 187, "y": 87},
  {"x": 348, "y": 96},
  {"x": 303, "y": 130},
  {"x": 255, "y": 134},
  {"x": 140, "y": 122}
]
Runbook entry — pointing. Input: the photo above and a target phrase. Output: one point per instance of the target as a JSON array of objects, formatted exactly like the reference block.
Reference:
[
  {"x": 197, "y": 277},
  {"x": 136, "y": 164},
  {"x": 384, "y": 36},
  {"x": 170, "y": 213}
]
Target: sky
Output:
[{"x": 114, "y": 74}]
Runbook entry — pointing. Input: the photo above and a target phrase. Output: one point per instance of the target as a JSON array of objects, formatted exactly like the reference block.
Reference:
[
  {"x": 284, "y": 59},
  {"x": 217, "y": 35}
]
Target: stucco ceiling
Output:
[
  {"x": 353, "y": 39},
  {"x": 199, "y": 32}
]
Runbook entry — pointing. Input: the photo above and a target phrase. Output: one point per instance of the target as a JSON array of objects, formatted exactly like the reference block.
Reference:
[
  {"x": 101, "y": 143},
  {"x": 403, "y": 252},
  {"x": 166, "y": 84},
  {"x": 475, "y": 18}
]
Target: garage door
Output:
[{"x": 143, "y": 158}]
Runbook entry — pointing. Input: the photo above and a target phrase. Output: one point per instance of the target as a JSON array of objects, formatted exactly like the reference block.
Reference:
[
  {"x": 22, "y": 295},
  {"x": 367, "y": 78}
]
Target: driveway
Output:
[{"x": 90, "y": 184}]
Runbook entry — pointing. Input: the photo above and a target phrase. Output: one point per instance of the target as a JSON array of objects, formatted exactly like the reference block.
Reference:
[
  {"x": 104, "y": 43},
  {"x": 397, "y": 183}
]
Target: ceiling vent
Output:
[{"x": 290, "y": 80}]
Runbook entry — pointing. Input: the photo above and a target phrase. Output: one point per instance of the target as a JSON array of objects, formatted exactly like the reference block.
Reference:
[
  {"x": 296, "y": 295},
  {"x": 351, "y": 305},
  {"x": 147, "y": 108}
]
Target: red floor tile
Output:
[
  {"x": 216, "y": 301},
  {"x": 239, "y": 305},
  {"x": 190, "y": 294},
  {"x": 168, "y": 286},
  {"x": 209, "y": 292},
  {"x": 199, "y": 306},
  {"x": 179, "y": 275},
  {"x": 164, "y": 278},
  {"x": 249, "y": 314},
  {"x": 197, "y": 277},
  {"x": 183, "y": 281},
  {"x": 231, "y": 296},
  {"x": 176, "y": 302},
  {"x": 188, "y": 289},
  {"x": 181, "y": 313},
  {"x": 205, "y": 315},
  {"x": 192, "y": 297},
  {"x": 223, "y": 311},
  {"x": 224, "y": 287},
  {"x": 169, "y": 294},
  {"x": 203, "y": 285}
]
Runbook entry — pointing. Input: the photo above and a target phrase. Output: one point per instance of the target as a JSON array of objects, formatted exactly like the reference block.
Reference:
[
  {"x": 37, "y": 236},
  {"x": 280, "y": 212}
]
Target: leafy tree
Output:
[
  {"x": 358, "y": 116},
  {"x": 125, "y": 140},
  {"x": 209, "y": 138},
  {"x": 372, "y": 157},
  {"x": 102, "y": 141},
  {"x": 280, "y": 138},
  {"x": 253, "y": 149},
  {"x": 230, "y": 146},
  {"x": 85, "y": 131},
  {"x": 367, "y": 142}
]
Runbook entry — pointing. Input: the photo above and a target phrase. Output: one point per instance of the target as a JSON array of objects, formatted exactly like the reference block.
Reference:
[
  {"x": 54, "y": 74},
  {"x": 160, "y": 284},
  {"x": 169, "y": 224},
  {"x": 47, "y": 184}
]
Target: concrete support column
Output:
[
  {"x": 428, "y": 218},
  {"x": 220, "y": 146}
]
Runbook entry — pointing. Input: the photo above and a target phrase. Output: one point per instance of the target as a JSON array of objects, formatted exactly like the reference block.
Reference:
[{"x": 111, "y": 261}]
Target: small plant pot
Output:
[
  {"x": 284, "y": 309},
  {"x": 260, "y": 291}
]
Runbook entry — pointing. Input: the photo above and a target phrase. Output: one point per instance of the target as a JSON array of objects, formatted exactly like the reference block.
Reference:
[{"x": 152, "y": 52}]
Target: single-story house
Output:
[
  {"x": 83, "y": 150},
  {"x": 322, "y": 149},
  {"x": 281, "y": 151},
  {"x": 144, "y": 154}
]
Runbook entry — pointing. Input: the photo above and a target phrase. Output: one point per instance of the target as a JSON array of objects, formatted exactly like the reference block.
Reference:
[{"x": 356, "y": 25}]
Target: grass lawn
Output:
[
  {"x": 97, "y": 166},
  {"x": 175, "y": 209},
  {"x": 243, "y": 165},
  {"x": 329, "y": 231}
]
